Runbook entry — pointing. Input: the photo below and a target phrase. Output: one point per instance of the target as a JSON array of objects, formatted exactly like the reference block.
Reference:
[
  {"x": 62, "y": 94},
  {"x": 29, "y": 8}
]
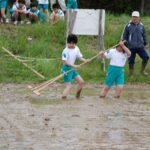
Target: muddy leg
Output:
[
  {"x": 66, "y": 90},
  {"x": 80, "y": 82},
  {"x": 104, "y": 91},
  {"x": 118, "y": 91}
]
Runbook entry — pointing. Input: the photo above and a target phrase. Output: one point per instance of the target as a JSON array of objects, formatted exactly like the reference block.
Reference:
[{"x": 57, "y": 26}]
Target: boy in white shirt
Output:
[
  {"x": 57, "y": 14},
  {"x": 69, "y": 56},
  {"x": 33, "y": 13},
  {"x": 19, "y": 11},
  {"x": 115, "y": 72},
  {"x": 61, "y": 3}
]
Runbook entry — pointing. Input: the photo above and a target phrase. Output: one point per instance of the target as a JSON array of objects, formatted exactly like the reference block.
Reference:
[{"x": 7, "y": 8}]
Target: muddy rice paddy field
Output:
[{"x": 46, "y": 122}]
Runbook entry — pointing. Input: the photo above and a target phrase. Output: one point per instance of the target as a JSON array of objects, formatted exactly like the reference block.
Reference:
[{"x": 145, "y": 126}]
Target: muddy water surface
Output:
[{"x": 30, "y": 122}]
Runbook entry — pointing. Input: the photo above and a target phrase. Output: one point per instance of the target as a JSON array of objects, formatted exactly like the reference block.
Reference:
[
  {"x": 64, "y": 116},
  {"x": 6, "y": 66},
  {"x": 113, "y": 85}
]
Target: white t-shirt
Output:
[
  {"x": 43, "y": 1},
  {"x": 70, "y": 55},
  {"x": 116, "y": 58},
  {"x": 60, "y": 13},
  {"x": 16, "y": 6}
]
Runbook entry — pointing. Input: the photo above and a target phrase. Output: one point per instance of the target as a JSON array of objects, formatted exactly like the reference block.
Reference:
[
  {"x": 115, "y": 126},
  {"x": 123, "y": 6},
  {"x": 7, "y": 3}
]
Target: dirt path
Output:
[{"x": 29, "y": 122}]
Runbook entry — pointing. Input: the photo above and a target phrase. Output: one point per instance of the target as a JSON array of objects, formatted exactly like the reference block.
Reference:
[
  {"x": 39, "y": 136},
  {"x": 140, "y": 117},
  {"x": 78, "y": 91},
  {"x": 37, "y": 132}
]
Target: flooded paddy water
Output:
[{"x": 30, "y": 122}]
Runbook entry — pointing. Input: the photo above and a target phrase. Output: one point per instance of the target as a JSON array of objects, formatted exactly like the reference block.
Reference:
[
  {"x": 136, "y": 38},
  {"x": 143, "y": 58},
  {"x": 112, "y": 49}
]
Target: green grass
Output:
[{"x": 48, "y": 41}]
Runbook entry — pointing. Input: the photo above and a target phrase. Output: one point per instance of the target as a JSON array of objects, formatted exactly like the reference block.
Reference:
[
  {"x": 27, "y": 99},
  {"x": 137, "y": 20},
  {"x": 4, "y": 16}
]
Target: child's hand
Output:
[
  {"x": 146, "y": 46},
  {"x": 101, "y": 53},
  {"x": 75, "y": 66},
  {"x": 121, "y": 43}
]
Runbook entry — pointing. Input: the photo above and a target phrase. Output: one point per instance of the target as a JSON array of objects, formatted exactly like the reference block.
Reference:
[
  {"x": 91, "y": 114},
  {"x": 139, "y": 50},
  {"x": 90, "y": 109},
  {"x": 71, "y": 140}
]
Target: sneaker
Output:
[
  {"x": 28, "y": 22},
  {"x": 7, "y": 20},
  {"x": 21, "y": 22},
  {"x": 15, "y": 22},
  {"x": 144, "y": 73}
]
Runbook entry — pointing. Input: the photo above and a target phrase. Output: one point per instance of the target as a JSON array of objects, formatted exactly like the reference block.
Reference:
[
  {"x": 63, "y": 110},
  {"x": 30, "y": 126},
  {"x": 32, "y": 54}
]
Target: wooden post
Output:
[
  {"x": 73, "y": 14},
  {"x": 100, "y": 37},
  {"x": 71, "y": 18}
]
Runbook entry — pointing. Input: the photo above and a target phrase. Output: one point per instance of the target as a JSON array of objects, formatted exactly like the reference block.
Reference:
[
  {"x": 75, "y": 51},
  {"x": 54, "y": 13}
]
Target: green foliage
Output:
[
  {"x": 113, "y": 6},
  {"x": 47, "y": 41}
]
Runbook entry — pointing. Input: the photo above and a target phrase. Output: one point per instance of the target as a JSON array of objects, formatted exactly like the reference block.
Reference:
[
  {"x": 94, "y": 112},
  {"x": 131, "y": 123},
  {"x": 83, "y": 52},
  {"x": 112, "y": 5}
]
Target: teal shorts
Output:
[
  {"x": 44, "y": 6},
  {"x": 3, "y": 4},
  {"x": 68, "y": 77},
  {"x": 115, "y": 75},
  {"x": 72, "y": 4}
]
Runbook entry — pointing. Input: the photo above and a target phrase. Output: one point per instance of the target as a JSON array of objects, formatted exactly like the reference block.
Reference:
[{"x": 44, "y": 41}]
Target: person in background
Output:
[
  {"x": 33, "y": 12},
  {"x": 115, "y": 72},
  {"x": 61, "y": 3},
  {"x": 72, "y": 4},
  {"x": 134, "y": 34},
  {"x": 43, "y": 6},
  {"x": 69, "y": 56},
  {"x": 27, "y": 3},
  {"x": 19, "y": 11},
  {"x": 3, "y": 5},
  {"x": 57, "y": 14}
]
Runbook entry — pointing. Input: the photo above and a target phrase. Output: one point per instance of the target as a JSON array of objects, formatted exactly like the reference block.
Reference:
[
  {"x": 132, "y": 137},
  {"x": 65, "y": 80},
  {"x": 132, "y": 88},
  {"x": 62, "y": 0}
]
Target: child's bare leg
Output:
[
  {"x": 80, "y": 82},
  {"x": 46, "y": 13},
  {"x": 41, "y": 9},
  {"x": 16, "y": 15},
  {"x": 3, "y": 13},
  {"x": 104, "y": 91},
  {"x": 66, "y": 90},
  {"x": 118, "y": 91}
]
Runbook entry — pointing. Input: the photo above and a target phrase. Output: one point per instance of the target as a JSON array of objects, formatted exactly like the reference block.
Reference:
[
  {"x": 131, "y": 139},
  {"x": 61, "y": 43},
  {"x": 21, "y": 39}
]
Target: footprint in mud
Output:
[{"x": 75, "y": 115}]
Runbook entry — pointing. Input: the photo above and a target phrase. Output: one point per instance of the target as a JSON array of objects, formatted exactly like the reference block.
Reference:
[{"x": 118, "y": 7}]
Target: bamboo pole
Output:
[{"x": 33, "y": 70}]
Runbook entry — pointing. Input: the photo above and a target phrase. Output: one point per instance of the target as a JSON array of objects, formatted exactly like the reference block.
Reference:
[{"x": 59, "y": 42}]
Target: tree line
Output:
[{"x": 117, "y": 6}]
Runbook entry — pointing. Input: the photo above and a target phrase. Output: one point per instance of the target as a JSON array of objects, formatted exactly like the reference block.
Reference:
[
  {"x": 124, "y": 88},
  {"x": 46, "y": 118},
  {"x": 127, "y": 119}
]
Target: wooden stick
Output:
[
  {"x": 33, "y": 70},
  {"x": 112, "y": 47},
  {"x": 37, "y": 91},
  {"x": 44, "y": 83}
]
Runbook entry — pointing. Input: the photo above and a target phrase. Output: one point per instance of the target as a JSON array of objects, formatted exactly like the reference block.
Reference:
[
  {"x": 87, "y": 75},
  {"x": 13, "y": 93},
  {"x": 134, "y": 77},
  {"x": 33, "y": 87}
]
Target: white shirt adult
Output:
[
  {"x": 116, "y": 58},
  {"x": 70, "y": 55}
]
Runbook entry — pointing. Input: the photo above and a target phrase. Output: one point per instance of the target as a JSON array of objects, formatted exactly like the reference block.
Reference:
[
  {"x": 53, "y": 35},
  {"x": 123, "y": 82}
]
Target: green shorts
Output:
[
  {"x": 72, "y": 4},
  {"x": 115, "y": 75},
  {"x": 68, "y": 77},
  {"x": 3, "y": 4},
  {"x": 44, "y": 6}
]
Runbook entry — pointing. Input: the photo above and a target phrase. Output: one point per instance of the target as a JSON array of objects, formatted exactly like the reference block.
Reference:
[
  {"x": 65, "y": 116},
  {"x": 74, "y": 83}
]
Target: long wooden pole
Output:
[{"x": 15, "y": 57}]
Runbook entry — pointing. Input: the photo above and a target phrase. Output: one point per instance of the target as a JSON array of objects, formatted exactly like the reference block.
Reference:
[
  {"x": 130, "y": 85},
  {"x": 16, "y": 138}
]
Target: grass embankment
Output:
[{"x": 47, "y": 43}]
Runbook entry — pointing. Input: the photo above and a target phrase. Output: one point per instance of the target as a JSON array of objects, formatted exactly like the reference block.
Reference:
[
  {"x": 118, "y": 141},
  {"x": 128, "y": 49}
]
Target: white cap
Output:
[{"x": 135, "y": 14}]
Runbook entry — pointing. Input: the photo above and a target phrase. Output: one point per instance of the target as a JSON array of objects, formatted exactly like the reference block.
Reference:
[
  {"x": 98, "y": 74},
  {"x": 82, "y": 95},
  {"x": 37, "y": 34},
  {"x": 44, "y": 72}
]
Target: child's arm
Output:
[
  {"x": 83, "y": 59},
  {"x": 127, "y": 51},
  {"x": 66, "y": 63}
]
